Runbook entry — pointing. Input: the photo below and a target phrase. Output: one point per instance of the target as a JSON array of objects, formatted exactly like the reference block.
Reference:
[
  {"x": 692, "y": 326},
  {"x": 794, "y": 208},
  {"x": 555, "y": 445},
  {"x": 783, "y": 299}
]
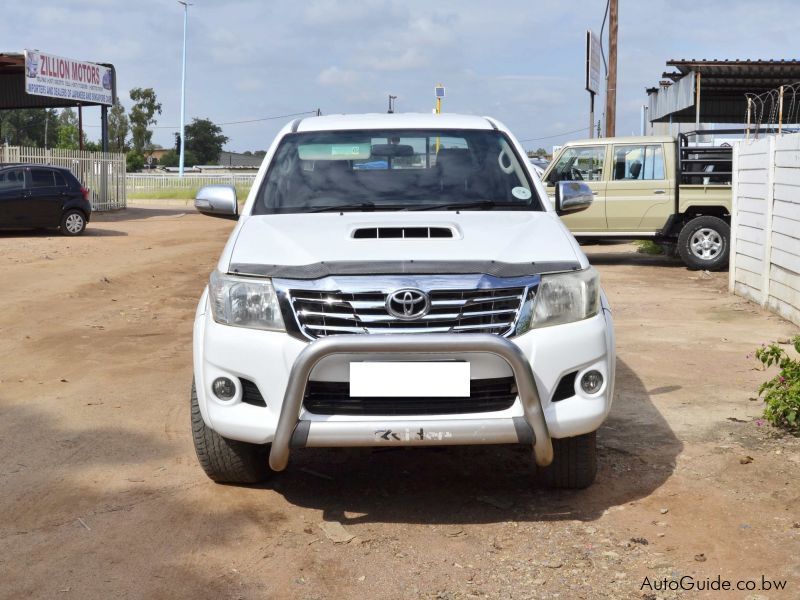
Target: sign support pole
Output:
[
  {"x": 80, "y": 127},
  {"x": 591, "y": 114}
]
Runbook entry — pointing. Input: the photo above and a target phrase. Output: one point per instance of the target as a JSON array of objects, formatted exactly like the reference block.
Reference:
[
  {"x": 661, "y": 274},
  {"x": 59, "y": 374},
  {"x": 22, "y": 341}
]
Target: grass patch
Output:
[
  {"x": 178, "y": 193},
  {"x": 648, "y": 247}
]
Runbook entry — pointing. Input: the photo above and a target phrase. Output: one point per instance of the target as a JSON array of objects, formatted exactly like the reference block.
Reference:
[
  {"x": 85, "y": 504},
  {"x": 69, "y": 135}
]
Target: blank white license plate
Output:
[{"x": 409, "y": 379}]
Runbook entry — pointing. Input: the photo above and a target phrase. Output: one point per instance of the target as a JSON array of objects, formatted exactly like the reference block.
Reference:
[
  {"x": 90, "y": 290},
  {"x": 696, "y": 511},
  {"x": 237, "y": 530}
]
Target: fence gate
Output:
[{"x": 102, "y": 172}]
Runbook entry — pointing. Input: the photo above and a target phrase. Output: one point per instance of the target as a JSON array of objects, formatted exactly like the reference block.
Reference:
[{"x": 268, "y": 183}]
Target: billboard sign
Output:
[
  {"x": 592, "y": 62},
  {"x": 74, "y": 80}
]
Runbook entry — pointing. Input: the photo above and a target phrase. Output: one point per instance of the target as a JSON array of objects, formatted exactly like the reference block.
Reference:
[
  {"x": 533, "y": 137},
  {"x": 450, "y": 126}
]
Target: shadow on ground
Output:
[
  {"x": 480, "y": 484},
  {"x": 140, "y": 213},
  {"x": 634, "y": 259},
  {"x": 91, "y": 231}
]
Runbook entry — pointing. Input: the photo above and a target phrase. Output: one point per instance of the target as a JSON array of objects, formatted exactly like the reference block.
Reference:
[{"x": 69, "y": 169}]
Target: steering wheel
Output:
[
  {"x": 575, "y": 174},
  {"x": 501, "y": 159}
]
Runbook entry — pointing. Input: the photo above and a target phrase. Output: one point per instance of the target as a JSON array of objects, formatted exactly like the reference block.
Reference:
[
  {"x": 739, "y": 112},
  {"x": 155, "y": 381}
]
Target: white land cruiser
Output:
[{"x": 399, "y": 279}]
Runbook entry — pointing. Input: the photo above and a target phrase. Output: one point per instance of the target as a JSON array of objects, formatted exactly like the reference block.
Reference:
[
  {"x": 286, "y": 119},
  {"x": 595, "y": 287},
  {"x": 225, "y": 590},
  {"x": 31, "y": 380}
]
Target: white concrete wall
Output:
[{"x": 765, "y": 227}]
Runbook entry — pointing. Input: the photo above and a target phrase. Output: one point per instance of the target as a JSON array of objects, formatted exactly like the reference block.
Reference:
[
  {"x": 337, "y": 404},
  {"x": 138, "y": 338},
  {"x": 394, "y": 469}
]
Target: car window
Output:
[
  {"x": 638, "y": 163},
  {"x": 60, "y": 181},
  {"x": 13, "y": 179},
  {"x": 580, "y": 163},
  {"x": 41, "y": 178},
  {"x": 395, "y": 170}
]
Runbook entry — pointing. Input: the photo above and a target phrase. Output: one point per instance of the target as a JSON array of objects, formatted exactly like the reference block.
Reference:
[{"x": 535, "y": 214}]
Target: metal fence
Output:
[
  {"x": 137, "y": 182},
  {"x": 102, "y": 172}
]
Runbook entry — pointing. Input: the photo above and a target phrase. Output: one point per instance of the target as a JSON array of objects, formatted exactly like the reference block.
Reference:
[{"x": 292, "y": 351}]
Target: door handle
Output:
[
  {"x": 660, "y": 192},
  {"x": 594, "y": 193}
]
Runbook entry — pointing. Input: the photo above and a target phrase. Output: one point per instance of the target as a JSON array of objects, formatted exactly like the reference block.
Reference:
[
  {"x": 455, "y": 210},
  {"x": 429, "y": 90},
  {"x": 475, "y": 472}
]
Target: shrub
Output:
[
  {"x": 782, "y": 392},
  {"x": 648, "y": 247},
  {"x": 134, "y": 162}
]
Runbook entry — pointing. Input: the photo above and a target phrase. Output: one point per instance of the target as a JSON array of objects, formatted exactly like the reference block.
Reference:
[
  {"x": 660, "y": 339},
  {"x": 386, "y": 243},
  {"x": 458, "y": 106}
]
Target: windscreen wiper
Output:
[
  {"x": 468, "y": 205},
  {"x": 365, "y": 206},
  {"x": 342, "y": 207}
]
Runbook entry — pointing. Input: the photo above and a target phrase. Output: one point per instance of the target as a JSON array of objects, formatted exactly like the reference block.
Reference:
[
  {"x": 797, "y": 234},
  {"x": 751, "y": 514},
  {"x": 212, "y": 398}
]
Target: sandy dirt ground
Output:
[{"x": 101, "y": 495}]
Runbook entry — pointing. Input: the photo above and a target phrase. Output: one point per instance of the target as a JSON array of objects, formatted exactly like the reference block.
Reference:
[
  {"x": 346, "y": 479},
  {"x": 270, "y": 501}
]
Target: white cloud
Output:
[{"x": 336, "y": 76}]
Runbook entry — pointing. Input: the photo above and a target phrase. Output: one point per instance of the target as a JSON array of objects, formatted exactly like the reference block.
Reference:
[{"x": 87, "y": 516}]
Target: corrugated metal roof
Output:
[{"x": 723, "y": 85}]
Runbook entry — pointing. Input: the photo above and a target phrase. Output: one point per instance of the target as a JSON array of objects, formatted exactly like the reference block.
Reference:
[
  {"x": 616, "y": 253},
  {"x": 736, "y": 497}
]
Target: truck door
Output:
[
  {"x": 582, "y": 163},
  {"x": 639, "y": 196}
]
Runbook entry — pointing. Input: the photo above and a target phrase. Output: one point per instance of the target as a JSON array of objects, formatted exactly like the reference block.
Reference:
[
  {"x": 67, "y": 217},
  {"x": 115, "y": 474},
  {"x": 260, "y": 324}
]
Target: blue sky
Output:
[{"x": 519, "y": 61}]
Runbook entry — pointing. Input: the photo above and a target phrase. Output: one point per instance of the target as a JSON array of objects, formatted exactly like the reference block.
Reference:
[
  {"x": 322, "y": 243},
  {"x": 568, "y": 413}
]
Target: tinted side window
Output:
[
  {"x": 638, "y": 163},
  {"x": 42, "y": 178},
  {"x": 60, "y": 181},
  {"x": 12, "y": 180}
]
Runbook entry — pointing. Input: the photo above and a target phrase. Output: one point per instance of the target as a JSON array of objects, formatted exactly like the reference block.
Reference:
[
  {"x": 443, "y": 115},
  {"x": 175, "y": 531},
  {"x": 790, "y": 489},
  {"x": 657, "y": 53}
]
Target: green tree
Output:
[
  {"x": 142, "y": 116},
  {"x": 29, "y": 127},
  {"x": 205, "y": 140},
  {"x": 67, "y": 137},
  {"x": 118, "y": 128},
  {"x": 171, "y": 159},
  {"x": 134, "y": 162}
]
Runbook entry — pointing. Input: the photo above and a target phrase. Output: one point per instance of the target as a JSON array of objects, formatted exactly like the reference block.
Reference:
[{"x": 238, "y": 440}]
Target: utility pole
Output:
[
  {"x": 611, "y": 81},
  {"x": 186, "y": 6}
]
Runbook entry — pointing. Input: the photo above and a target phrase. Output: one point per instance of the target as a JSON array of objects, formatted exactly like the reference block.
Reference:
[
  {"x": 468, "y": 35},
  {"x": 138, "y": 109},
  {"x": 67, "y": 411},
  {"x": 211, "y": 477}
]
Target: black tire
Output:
[
  {"x": 73, "y": 222},
  {"x": 718, "y": 232},
  {"x": 574, "y": 463},
  {"x": 224, "y": 460}
]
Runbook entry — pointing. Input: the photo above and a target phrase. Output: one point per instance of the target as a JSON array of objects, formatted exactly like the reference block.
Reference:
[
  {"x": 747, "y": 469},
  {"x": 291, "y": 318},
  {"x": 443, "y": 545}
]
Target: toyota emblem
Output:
[{"x": 408, "y": 304}]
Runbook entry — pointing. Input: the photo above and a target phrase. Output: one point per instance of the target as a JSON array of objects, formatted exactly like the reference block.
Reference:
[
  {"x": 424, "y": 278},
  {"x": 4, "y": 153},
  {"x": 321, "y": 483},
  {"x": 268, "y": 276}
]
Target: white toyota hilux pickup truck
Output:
[{"x": 399, "y": 280}]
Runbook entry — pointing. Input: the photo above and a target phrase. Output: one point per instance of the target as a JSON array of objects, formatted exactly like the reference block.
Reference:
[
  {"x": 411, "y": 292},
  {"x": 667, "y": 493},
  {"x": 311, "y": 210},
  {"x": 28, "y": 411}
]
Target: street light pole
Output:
[{"x": 183, "y": 84}]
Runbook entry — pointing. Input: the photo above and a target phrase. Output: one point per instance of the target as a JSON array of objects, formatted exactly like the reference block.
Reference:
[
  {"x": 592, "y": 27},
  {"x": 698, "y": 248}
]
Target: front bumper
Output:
[
  {"x": 361, "y": 433},
  {"x": 280, "y": 366}
]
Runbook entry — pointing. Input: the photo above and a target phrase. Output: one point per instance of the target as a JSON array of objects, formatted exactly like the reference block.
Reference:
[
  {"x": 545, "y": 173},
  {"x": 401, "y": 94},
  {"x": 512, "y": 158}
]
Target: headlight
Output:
[
  {"x": 244, "y": 302},
  {"x": 561, "y": 298}
]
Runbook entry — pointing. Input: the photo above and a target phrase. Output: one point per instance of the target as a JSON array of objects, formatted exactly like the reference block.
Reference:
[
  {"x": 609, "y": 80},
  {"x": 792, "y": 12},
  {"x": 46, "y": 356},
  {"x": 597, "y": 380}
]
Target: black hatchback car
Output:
[{"x": 34, "y": 196}]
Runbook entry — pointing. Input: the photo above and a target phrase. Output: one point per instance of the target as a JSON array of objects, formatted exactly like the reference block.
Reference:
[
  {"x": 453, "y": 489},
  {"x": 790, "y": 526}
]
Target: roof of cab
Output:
[
  {"x": 631, "y": 139},
  {"x": 395, "y": 121}
]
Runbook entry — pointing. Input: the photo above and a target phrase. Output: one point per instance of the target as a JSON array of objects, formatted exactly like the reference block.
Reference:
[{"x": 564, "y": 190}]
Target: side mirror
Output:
[
  {"x": 217, "y": 201},
  {"x": 572, "y": 196}
]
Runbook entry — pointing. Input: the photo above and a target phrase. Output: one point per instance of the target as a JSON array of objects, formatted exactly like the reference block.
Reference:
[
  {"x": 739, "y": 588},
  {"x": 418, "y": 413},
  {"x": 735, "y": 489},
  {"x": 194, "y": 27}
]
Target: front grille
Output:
[
  {"x": 485, "y": 395},
  {"x": 323, "y": 313}
]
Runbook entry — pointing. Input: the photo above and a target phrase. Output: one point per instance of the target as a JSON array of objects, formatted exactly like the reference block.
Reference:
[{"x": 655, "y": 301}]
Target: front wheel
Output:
[
  {"x": 73, "y": 222},
  {"x": 704, "y": 243},
  {"x": 224, "y": 460},
  {"x": 574, "y": 463}
]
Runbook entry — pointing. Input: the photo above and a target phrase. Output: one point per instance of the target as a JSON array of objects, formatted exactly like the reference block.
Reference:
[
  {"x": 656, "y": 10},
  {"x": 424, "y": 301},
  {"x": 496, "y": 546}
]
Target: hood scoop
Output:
[{"x": 414, "y": 232}]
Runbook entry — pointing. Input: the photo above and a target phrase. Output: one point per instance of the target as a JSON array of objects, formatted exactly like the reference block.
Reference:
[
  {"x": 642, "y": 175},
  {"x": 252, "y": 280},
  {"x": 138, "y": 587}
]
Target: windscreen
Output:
[{"x": 396, "y": 170}]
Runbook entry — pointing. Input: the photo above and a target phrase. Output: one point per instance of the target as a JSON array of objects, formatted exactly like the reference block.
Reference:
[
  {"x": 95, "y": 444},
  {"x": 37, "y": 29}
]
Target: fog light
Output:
[
  {"x": 224, "y": 388},
  {"x": 591, "y": 382}
]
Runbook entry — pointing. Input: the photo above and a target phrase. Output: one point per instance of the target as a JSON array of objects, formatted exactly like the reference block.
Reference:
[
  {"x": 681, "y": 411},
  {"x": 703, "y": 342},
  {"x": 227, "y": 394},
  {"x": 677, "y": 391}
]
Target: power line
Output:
[
  {"x": 548, "y": 137},
  {"x": 297, "y": 114}
]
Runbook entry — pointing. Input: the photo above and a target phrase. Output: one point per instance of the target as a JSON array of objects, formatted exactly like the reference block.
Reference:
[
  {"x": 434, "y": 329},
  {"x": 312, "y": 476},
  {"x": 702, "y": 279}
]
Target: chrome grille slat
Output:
[{"x": 324, "y": 312}]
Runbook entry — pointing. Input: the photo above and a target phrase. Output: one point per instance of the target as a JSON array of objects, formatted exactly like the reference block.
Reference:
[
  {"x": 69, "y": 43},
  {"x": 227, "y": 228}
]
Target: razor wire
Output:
[{"x": 774, "y": 111}]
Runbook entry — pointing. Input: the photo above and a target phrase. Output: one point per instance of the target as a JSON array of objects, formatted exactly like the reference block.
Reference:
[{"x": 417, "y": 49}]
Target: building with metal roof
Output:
[{"x": 713, "y": 90}]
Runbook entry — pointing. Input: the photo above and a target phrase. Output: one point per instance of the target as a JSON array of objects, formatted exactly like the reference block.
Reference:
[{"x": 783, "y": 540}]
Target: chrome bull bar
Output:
[{"x": 291, "y": 431}]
